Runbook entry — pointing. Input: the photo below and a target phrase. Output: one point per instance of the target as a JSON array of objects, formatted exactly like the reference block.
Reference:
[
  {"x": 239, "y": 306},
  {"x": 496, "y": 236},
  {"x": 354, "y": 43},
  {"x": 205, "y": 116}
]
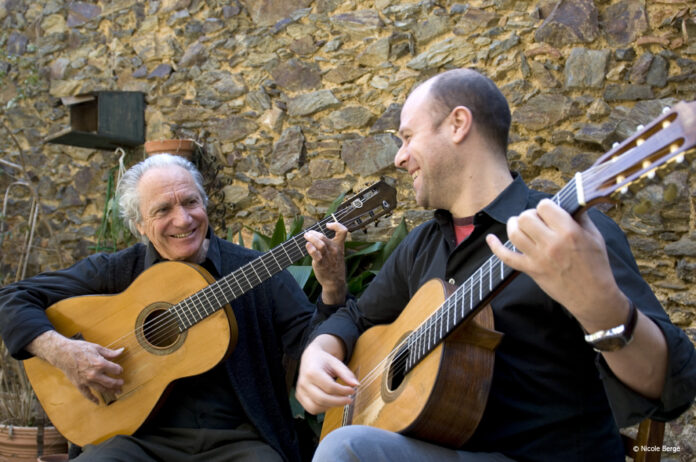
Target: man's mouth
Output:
[
  {"x": 415, "y": 175},
  {"x": 182, "y": 235}
]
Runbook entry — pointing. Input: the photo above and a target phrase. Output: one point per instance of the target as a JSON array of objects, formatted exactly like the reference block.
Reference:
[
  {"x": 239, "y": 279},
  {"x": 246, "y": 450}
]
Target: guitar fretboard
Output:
[
  {"x": 207, "y": 301},
  {"x": 469, "y": 297}
]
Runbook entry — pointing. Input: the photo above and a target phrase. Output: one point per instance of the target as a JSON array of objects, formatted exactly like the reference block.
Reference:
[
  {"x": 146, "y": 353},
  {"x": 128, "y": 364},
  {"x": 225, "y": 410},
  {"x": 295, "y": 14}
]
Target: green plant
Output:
[
  {"x": 113, "y": 233},
  {"x": 363, "y": 262}
]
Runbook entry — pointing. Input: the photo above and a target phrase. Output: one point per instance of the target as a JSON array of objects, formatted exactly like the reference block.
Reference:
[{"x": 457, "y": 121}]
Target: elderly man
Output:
[
  {"x": 239, "y": 409},
  {"x": 556, "y": 393}
]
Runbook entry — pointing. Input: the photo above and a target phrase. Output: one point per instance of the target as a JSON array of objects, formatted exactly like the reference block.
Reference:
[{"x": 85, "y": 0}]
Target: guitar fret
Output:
[
  {"x": 203, "y": 293},
  {"x": 229, "y": 286},
  {"x": 265, "y": 268},
  {"x": 258, "y": 279},
  {"x": 480, "y": 284},
  {"x": 421, "y": 339},
  {"x": 247, "y": 277},
  {"x": 430, "y": 335},
  {"x": 176, "y": 313},
  {"x": 195, "y": 306},
  {"x": 278, "y": 265},
  {"x": 282, "y": 246},
  {"x": 188, "y": 321},
  {"x": 442, "y": 318},
  {"x": 298, "y": 246},
  {"x": 217, "y": 300},
  {"x": 409, "y": 359}
]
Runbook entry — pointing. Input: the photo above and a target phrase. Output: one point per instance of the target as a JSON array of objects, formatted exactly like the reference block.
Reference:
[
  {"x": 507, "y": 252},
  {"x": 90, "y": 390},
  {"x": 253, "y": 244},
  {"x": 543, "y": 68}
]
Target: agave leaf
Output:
[{"x": 279, "y": 234}]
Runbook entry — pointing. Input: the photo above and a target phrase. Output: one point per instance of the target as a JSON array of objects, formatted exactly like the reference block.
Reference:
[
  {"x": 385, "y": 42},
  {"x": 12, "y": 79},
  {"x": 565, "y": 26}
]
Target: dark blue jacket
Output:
[{"x": 273, "y": 319}]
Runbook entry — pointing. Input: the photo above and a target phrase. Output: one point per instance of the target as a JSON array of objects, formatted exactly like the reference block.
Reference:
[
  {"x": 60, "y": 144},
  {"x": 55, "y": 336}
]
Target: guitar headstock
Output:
[
  {"x": 662, "y": 143},
  {"x": 368, "y": 205}
]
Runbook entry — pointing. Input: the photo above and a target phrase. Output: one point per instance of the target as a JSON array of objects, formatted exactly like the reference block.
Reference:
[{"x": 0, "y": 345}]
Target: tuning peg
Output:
[
  {"x": 640, "y": 127},
  {"x": 666, "y": 109}
]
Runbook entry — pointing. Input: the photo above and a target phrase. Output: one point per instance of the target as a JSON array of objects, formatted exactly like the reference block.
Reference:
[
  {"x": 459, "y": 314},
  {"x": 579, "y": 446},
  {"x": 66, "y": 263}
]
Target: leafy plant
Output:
[
  {"x": 113, "y": 233},
  {"x": 363, "y": 262}
]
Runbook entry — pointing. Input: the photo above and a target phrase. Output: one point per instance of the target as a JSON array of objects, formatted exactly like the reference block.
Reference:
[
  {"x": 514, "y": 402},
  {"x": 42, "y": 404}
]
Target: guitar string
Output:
[
  {"x": 466, "y": 289},
  {"x": 165, "y": 324}
]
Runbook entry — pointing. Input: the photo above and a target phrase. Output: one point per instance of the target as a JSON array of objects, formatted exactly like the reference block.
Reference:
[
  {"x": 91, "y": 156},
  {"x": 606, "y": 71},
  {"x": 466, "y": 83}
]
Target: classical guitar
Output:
[
  {"x": 427, "y": 374},
  {"x": 175, "y": 321}
]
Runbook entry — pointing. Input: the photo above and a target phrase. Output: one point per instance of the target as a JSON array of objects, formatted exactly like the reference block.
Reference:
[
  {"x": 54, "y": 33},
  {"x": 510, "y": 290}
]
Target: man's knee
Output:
[{"x": 348, "y": 443}]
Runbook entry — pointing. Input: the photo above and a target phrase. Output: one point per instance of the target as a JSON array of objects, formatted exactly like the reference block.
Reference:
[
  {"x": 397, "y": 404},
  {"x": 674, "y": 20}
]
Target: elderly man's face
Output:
[{"x": 174, "y": 218}]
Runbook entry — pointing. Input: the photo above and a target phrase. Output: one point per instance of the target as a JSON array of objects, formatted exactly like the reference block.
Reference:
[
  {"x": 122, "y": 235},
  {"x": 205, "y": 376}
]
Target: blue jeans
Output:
[{"x": 355, "y": 443}]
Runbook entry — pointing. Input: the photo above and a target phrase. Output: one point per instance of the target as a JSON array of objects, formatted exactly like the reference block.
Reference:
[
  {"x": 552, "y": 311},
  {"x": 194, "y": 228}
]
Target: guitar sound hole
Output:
[
  {"x": 397, "y": 369},
  {"x": 160, "y": 329}
]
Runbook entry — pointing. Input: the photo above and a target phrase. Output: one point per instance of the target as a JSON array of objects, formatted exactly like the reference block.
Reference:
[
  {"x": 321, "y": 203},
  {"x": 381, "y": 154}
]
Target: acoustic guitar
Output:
[
  {"x": 427, "y": 374},
  {"x": 174, "y": 320}
]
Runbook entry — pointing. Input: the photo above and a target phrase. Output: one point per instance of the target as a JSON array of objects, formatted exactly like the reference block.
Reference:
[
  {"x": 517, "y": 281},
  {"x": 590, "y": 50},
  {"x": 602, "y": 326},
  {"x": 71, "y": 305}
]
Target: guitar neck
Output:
[
  {"x": 475, "y": 293},
  {"x": 204, "y": 303}
]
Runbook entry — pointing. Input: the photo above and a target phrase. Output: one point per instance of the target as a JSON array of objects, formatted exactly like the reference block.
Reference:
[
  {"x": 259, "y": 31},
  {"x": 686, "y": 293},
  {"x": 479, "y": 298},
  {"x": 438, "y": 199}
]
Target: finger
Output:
[
  {"x": 518, "y": 237},
  {"x": 110, "y": 353},
  {"x": 316, "y": 255},
  {"x": 553, "y": 215},
  {"x": 315, "y": 401},
  {"x": 528, "y": 230},
  {"x": 586, "y": 222},
  {"x": 343, "y": 372},
  {"x": 509, "y": 257},
  {"x": 87, "y": 393},
  {"x": 110, "y": 367},
  {"x": 341, "y": 232},
  {"x": 315, "y": 243},
  {"x": 326, "y": 400}
]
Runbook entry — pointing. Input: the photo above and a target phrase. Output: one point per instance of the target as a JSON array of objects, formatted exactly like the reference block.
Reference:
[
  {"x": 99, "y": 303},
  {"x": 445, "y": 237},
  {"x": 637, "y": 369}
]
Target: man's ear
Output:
[{"x": 462, "y": 122}]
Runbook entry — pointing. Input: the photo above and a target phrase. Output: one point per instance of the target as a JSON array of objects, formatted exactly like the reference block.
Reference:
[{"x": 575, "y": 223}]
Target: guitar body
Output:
[
  {"x": 152, "y": 358},
  {"x": 442, "y": 399}
]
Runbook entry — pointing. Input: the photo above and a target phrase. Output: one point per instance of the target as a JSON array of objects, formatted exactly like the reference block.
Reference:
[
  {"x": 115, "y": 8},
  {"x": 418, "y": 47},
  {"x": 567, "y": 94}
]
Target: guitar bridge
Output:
[{"x": 108, "y": 397}]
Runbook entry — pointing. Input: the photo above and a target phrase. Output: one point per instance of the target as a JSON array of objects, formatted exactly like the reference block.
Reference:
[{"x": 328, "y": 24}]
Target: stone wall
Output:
[{"x": 296, "y": 101}]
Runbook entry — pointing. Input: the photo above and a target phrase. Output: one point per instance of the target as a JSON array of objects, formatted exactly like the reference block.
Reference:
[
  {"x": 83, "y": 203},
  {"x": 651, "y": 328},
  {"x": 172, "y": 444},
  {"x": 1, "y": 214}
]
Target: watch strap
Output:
[{"x": 617, "y": 337}]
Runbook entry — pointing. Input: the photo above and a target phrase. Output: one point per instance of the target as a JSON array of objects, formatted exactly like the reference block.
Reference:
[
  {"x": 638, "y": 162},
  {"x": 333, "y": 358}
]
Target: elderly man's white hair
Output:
[{"x": 127, "y": 189}]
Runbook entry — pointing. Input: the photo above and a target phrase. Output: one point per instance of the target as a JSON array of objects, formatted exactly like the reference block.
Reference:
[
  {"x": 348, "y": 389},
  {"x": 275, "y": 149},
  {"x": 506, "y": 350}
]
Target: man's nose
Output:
[
  {"x": 181, "y": 216},
  {"x": 401, "y": 157}
]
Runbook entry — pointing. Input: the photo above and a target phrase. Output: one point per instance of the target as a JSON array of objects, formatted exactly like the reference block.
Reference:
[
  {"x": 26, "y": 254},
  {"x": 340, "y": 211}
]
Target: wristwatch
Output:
[{"x": 617, "y": 337}]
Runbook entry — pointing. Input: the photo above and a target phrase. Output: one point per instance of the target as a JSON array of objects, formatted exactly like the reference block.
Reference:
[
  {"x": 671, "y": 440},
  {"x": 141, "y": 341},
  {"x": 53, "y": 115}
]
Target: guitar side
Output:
[
  {"x": 113, "y": 321},
  {"x": 427, "y": 403}
]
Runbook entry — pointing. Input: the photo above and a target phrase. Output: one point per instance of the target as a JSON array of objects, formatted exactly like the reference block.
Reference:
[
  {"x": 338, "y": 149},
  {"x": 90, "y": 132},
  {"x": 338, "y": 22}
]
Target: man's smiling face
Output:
[{"x": 173, "y": 213}]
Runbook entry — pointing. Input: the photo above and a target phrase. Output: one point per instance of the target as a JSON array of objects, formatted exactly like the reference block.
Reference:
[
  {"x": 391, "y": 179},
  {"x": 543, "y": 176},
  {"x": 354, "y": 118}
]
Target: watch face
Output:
[{"x": 609, "y": 343}]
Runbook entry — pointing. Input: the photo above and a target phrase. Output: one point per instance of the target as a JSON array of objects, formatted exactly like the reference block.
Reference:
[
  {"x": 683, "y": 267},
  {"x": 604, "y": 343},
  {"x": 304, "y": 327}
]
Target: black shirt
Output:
[{"x": 552, "y": 397}]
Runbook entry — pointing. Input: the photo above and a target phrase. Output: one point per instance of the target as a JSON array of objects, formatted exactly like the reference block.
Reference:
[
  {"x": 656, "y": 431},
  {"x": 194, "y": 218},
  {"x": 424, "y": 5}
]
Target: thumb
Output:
[{"x": 342, "y": 372}]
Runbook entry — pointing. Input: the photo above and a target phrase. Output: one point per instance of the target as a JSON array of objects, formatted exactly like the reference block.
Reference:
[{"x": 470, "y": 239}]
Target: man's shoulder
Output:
[{"x": 133, "y": 253}]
